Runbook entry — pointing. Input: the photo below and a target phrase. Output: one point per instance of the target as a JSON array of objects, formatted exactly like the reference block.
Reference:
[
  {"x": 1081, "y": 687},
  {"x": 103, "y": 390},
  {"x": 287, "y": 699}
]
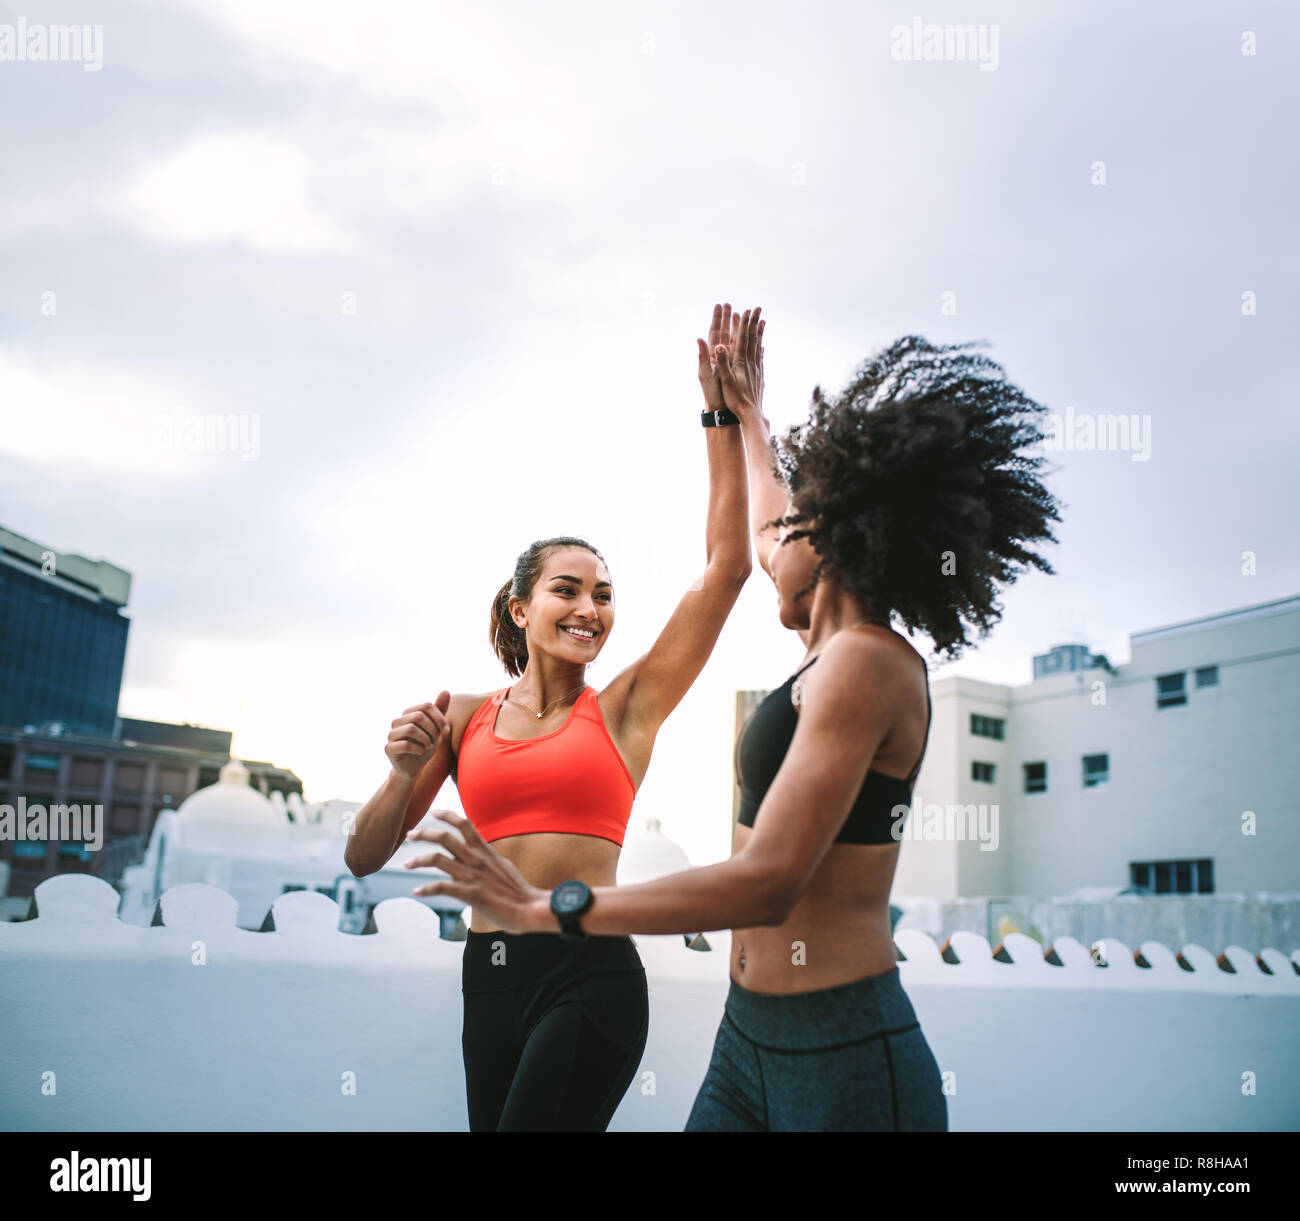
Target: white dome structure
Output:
[
  {"x": 650, "y": 855},
  {"x": 230, "y": 800},
  {"x": 231, "y": 836}
]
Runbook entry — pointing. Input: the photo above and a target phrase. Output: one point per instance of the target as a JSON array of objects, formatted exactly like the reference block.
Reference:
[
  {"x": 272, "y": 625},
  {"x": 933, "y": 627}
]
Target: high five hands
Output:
[{"x": 731, "y": 363}]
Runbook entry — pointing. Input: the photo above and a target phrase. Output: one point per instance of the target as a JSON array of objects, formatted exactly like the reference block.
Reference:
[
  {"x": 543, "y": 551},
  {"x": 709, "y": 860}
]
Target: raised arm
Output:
[
  {"x": 658, "y": 680},
  {"x": 742, "y": 389}
]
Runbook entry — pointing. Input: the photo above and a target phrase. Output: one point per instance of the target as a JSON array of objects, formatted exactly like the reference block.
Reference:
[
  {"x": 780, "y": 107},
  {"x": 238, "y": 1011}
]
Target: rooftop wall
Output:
[
  {"x": 1254, "y": 922},
  {"x": 197, "y": 1025}
]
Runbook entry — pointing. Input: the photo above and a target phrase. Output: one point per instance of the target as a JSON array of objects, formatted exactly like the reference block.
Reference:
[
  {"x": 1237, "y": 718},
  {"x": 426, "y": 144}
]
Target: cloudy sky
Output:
[{"x": 448, "y": 265}]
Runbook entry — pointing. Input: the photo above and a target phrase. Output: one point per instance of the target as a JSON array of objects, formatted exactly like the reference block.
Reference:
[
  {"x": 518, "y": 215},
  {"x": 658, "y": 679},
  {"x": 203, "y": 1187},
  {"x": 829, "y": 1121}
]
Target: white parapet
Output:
[{"x": 196, "y": 1024}]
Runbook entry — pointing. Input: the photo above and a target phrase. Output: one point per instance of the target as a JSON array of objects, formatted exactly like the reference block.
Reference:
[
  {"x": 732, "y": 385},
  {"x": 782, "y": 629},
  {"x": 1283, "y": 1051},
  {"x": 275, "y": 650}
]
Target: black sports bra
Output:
[{"x": 761, "y": 749}]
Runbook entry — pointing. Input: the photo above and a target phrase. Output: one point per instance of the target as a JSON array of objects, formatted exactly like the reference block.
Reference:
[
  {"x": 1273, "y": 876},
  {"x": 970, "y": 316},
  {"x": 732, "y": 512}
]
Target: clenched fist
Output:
[{"x": 417, "y": 734}]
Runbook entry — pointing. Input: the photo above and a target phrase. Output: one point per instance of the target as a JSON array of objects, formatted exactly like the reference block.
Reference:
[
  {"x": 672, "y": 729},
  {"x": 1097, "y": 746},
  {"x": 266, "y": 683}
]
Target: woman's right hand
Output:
[{"x": 417, "y": 734}]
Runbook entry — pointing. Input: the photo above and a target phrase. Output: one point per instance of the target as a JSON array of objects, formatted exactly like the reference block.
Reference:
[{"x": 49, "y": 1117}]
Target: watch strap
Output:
[
  {"x": 571, "y": 925},
  {"x": 571, "y": 921},
  {"x": 719, "y": 418}
]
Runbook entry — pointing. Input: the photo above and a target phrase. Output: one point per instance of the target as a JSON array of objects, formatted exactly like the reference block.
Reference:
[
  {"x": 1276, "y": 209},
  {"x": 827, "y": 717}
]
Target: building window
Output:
[
  {"x": 1035, "y": 777},
  {"x": 1096, "y": 770},
  {"x": 129, "y": 778},
  {"x": 6, "y": 762},
  {"x": 124, "y": 818},
  {"x": 42, "y": 767},
  {"x": 1174, "y": 877},
  {"x": 987, "y": 726},
  {"x": 73, "y": 851},
  {"x": 982, "y": 772},
  {"x": 29, "y": 854},
  {"x": 87, "y": 773},
  {"x": 171, "y": 786},
  {"x": 1207, "y": 676},
  {"x": 1171, "y": 689}
]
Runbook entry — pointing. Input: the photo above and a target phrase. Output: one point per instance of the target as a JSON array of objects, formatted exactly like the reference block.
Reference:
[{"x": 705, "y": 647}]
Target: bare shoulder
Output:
[
  {"x": 876, "y": 658},
  {"x": 460, "y": 711},
  {"x": 462, "y": 707}
]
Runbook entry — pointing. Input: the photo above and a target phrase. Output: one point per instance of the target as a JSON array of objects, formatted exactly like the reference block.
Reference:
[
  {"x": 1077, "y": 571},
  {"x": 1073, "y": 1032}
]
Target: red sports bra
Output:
[{"x": 572, "y": 779}]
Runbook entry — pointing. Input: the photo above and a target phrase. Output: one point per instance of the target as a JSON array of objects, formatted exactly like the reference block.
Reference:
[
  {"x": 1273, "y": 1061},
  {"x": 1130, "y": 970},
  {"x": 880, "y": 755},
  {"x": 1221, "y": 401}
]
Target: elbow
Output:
[
  {"x": 354, "y": 867},
  {"x": 769, "y": 887},
  {"x": 775, "y": 901},
  {"x": 735, "y": 571}
]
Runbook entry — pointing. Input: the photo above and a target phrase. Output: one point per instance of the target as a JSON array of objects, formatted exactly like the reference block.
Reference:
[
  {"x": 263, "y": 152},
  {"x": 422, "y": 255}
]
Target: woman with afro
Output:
[{"x": 909, "y": 499}]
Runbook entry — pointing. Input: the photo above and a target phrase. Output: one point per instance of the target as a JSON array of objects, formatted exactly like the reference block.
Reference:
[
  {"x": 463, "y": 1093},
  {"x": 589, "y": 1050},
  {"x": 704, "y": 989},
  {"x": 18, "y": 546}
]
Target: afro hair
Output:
[{"x": 915, "y": 487}]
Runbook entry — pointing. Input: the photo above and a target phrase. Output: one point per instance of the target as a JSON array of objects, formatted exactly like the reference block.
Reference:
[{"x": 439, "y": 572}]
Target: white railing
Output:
[{"x": 199, "y": 1025}]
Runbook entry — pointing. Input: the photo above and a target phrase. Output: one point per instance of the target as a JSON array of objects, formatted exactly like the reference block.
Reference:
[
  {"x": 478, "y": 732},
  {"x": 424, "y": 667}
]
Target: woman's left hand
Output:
[{"x": 482, "y": 878}]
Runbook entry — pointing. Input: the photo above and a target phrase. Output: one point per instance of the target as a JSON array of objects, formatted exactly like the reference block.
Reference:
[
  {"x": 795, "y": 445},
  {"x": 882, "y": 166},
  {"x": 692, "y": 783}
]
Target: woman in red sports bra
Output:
[{"x": 547, "y": 771}]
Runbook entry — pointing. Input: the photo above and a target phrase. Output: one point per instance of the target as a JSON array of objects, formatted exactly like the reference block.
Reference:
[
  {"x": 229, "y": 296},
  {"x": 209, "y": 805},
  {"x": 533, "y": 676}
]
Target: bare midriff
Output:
[
  {"x": 547, "y": 858},
  {"x": 838, "y": 932}
]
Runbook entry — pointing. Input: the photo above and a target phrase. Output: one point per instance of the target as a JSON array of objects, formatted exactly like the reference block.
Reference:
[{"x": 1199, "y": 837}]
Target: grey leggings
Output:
[{"x": 844, "y": 1059}]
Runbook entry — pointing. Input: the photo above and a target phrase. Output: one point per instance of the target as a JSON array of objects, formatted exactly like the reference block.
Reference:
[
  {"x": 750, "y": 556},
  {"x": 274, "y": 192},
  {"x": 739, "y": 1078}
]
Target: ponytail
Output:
[{"x": 509, "y": 641}]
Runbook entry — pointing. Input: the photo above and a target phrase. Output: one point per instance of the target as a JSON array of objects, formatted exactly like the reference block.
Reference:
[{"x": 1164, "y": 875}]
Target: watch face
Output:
[{"x": 570, "y": 897}]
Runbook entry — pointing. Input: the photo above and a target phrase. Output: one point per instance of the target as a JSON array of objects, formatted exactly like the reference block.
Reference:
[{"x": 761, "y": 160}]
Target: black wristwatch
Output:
[
  {"x": 568, "y": 901},
  {"x": 719, "y": 418}
]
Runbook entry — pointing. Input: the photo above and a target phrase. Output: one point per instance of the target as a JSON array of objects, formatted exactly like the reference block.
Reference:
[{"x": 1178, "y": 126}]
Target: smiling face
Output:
[
  {"x": 793, "y": 561},
  {"x": 571, "y": 609}
]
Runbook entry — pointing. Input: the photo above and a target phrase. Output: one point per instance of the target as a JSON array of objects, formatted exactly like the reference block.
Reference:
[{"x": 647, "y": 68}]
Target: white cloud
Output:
[
  {"x": 240, "y": 186},
  {"x": 66, "y": 412},
  {"x": 389, "y": 49}
]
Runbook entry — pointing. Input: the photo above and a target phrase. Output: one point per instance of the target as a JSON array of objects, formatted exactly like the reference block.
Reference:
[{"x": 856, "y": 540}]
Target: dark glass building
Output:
[{"x": 62, "y": 638}]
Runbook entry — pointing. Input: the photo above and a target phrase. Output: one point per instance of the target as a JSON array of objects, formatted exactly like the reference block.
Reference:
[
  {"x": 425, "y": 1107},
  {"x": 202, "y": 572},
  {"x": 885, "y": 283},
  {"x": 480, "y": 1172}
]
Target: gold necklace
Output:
[{"x": 543, "y": 712}]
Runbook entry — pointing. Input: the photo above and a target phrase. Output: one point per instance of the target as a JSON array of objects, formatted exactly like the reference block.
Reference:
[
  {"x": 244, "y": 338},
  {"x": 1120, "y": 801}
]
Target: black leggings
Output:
[{"x": 554, "y": 1030}]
